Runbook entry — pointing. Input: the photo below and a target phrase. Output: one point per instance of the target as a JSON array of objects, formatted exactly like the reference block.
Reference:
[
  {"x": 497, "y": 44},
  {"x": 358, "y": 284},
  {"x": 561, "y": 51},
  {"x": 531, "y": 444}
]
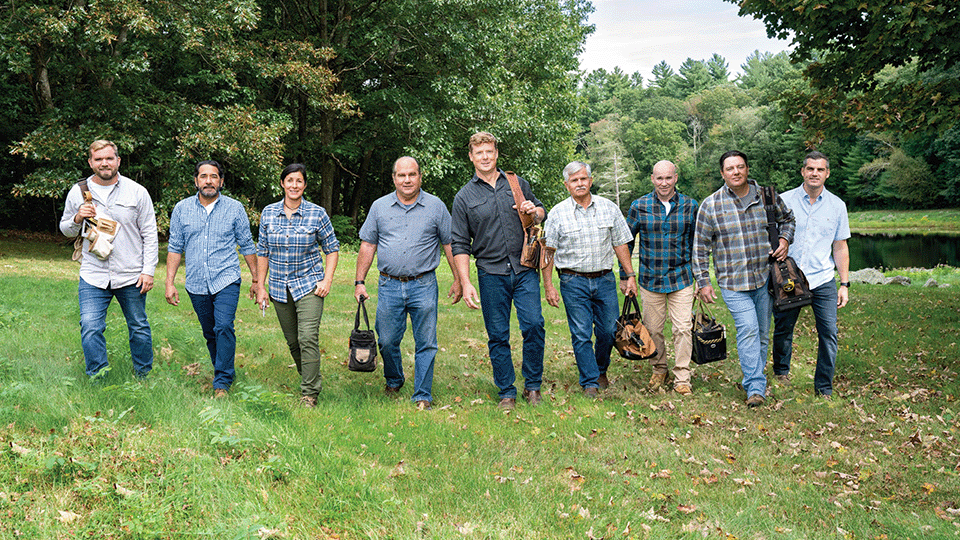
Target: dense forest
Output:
[{"x": 346, "y": 86}]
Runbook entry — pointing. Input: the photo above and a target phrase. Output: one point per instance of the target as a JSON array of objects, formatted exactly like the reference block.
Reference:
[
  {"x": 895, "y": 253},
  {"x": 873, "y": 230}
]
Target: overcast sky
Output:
[{"x": 637, "y": 34}]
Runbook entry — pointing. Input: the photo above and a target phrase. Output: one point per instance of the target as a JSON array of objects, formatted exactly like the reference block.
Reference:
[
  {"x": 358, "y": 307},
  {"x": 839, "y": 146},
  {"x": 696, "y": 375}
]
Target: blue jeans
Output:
[
  {"x": 94, "y": 302},
  {"x": 825, "y": 313},
  {"x": 592, "y": 307},
  {"x": 496, "y": 293},
  {"x": 751, "y": 315},
  {"x": 395, "y": 299},
  {"x": 216, "y": 313}
]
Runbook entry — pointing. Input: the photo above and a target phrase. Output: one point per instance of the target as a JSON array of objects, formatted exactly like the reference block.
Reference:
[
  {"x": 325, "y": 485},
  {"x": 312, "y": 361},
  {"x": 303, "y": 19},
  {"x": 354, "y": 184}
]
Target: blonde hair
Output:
[
  {"x": 482, "y": 137},
  {"x": 100, "y": 144}
]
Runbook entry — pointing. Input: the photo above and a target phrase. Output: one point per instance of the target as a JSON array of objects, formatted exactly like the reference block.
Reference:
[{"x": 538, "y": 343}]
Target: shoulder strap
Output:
[
  {"x": 770, "y": 205},
  {"x": 518, "y": 198},
  {"x": 85, "y": 190}
]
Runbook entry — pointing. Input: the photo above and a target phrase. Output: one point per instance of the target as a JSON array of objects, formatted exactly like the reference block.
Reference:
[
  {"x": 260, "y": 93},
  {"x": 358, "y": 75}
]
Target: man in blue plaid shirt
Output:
[
  {"x": 665, "y": 221},
  {"x": 208, "y": 228}
]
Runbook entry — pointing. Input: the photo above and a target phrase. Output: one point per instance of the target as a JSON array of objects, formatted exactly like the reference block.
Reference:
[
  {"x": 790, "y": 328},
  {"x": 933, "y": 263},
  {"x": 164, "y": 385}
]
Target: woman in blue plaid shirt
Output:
[{"x": 292, "y": 234}]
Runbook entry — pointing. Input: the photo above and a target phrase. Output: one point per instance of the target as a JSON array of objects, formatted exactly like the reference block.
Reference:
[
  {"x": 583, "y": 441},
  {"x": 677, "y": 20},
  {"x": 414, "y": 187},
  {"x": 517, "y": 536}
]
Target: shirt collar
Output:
[{"x": 397, "y": 201}]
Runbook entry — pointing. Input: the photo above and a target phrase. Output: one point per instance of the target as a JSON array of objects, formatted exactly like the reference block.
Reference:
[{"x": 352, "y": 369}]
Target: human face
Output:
[
  {"x": 664, "y": 180},
  {"x": 105, "y": 164},
  {"x": 293, "y": 185},
  {"x": 815, "y": 172},
  {"x": 484, "y": 158},
  {"x": 578, "y": 184},
  {"x": 208, "y": 182},
  {"x": 406, "y": 178},
  {"x": 735, "y": 173}
]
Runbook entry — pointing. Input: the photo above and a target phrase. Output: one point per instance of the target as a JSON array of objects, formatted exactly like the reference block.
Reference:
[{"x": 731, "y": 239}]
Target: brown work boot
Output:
[
  {"x": 755, "y": 401},
  {"x": 591, "y": 392},
  {"x": 603, "y": 381},
  {"x": 220, "y": 393},
  {"x": 656, "y": 381},
  {"x": 507, "y": 404},
  {"x": 683, "y": 389},
  {"x": 532, "y": 396},
  {"x": 308, "y": 402},
  {"x": 423, "y": 405}
]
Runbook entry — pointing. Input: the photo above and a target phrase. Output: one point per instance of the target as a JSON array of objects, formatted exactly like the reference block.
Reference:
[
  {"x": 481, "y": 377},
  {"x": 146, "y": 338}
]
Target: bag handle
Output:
[
  {"x": 628, "y": 302},
  {"x": 356, "y": 322},
  {"x": 525, "y": 219}
]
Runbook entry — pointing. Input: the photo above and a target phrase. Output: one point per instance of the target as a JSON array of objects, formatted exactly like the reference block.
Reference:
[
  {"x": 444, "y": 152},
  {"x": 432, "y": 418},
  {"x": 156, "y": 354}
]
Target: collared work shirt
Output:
[
  {"x": 819, "y": 225},
  {"x": 135, "y": 247},
  {"x": 585, "y": 237},
  {"x": 209, "y": 241},
  {"x": 487, "y": 226},
  {"x": 409, "y": 239},
  {"x": 734, "y": 230},
  {"x": 665, "y": 241},
  {"x": 291, "y": 248}
]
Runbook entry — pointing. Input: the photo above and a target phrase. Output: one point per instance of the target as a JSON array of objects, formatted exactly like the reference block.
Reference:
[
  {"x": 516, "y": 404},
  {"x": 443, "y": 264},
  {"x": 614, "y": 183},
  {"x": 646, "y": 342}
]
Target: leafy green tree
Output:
[
  {"x": 694, "y": 77},
  {"x": 717, "y": 66},
  {"x": 613, "y": 169},
  {"x": 654, "y": 140},
  {"x": 665, "y": 80}
]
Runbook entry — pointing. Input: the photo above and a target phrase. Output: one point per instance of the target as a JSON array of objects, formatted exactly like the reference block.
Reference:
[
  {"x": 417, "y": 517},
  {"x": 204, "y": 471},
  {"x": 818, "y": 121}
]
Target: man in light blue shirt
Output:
[
  {"x": 407, "y": 230},
  {"x": 208, "y": 228},
  {"x": 819, "y": 246}
]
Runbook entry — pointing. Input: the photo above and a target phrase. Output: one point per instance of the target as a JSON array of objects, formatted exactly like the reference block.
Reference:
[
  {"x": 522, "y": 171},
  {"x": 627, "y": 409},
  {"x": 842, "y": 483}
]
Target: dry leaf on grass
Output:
[{"x": 67, "y": 516}]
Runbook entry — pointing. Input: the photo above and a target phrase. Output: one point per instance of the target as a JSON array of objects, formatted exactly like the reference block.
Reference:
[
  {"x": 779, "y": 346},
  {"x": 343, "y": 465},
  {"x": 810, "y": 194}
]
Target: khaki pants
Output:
[{"x": 679, "y": 304}]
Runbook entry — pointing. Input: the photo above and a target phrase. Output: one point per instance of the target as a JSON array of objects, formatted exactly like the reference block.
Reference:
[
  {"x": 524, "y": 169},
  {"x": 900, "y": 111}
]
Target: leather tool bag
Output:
[
  {"x": 535, "y": 253},
  {"x": 787, "y": 283},
  {"x": 632, "y": 339},
  {"x": 709, "y": 336},
  {"x": 363, "y": 344}
]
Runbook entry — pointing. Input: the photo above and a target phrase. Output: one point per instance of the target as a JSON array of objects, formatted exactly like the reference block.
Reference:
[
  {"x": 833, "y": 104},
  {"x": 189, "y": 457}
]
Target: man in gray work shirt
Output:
[
  {"x": 406, "y": 230},
  {"x": 486, "y": 225}
]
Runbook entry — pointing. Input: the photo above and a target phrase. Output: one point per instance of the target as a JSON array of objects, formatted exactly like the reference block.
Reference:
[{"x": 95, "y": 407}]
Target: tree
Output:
[
  {"x": 717, "y": 66},
  {"x": 653, "y": 140},
  {"x": 850, "y": 42},
  {"x": 613, "y": 169},
  {"x": 665, "y": 80},
  {"x": 695, "y": 76}
]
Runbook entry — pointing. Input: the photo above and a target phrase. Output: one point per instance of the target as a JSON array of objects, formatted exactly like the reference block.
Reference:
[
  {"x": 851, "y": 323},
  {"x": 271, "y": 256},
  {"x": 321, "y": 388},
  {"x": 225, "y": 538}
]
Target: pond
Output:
[{"x": 903, "y": 251}]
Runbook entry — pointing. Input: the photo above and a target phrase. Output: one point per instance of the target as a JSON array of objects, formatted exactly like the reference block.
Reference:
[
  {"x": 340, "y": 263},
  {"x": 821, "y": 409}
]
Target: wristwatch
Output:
[
  {"x": 845, "y": 284},
  {"x": 358, "y": 282}
]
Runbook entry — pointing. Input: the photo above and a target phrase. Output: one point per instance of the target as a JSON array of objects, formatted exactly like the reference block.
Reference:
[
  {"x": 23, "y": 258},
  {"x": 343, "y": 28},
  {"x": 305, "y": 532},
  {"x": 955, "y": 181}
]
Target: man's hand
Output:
[
  {"x": 707, "y": 295},
  {"x": 553, "y": 296},
  {"x": 527, "y": 207},
  {"x": 843, "y": 296},
  {"x": 86, "y": 210},
  {"x": 470, "y": 296},
  {"x": 360, "y": 292},
  {"x": 173, "y": 297},
  {"x": 629, "y": 286},
  {"x": 323, "y": 287},
  {"x": 263, "y": 298},
  {"x": 145, "y": 283},
  {"x": 456, "y": 291},
  {"x": 781, "y": 252}
]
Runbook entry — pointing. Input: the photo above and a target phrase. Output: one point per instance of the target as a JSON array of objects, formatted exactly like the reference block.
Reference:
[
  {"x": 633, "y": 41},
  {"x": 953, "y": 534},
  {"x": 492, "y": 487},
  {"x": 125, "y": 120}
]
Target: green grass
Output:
[
  {"x": 906, "y": 221},
  {"x": 161, "y": 459}
]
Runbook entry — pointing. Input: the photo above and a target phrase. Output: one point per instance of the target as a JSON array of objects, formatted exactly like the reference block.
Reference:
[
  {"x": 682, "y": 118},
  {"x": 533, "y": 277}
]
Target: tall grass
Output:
[{"x": 160, "y": 459}]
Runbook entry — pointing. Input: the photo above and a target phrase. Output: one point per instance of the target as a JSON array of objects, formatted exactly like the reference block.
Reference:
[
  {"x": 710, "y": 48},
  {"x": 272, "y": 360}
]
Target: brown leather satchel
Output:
[
  {"x": 535, "y": 253},
  {"x": 787, "y": 283},
  {"x": 633, "y": 340}
]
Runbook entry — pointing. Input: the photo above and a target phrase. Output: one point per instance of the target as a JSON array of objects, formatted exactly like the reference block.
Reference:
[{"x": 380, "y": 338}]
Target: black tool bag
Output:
[
  {"x": 363, "y": 344},
  {"x": 709, "y": 336},
  {"x": 787, "y": 284}
]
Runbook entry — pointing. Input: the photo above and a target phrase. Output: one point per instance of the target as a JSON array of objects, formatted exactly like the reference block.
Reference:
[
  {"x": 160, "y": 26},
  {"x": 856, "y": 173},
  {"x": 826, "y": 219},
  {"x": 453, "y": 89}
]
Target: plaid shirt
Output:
[
  {"x": 290, "y": 245},
  {"x": 737, "y": 236},
  {"x": 210, "y": 242},
  {"x": 666, "y": 242},
  {"x": 585, "y": 237}
]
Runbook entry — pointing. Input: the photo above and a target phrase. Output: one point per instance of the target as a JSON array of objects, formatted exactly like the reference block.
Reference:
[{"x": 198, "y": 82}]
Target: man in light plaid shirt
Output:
[
  {"x": 587, "y": 231},
  {"x": 732, "y": 224}
]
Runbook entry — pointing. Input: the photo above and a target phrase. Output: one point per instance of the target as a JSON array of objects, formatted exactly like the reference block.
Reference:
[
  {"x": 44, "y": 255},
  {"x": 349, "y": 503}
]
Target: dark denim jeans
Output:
[
  {"x": 94, "y": 302},
  {"x": 592, "y": 308},
  {"x": 825, "y": 312},
  {"x": 396, "y": 299},
  {"x": 496, "y": 293},
  {"x": 216, "y": 313}
]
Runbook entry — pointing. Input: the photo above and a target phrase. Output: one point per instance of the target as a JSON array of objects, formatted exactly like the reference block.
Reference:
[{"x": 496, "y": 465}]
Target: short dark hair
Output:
[
  {"x": 292, "y": 168},
  {"x": 733, "y": 153},
  {"x": 219, "y": 167},
  {"x": 815, "y": 155}
]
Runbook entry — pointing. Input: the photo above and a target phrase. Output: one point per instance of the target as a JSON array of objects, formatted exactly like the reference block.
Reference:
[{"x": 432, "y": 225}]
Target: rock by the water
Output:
[
  {"x": 871, "y": 276},
  {"x": 897, "y": 280},
  {"x": 931, "y": 283}
]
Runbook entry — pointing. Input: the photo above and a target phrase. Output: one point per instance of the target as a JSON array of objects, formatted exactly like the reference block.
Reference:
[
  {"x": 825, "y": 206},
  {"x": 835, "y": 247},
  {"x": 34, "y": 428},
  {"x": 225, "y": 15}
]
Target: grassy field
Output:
[
  {"x": 906, "y": 222},
  {"x": 161, "y": 459}
]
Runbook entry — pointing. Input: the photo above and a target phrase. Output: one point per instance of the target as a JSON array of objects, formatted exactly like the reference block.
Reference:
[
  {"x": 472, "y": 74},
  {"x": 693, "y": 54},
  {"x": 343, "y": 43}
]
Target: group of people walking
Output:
[{"x": 410, "y": 231}]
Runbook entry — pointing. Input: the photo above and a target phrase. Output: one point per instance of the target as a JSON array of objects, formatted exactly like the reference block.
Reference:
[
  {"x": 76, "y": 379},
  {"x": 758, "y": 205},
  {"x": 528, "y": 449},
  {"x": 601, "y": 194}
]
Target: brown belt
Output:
[
  {"x": 404, "y": 279},
  {"x": 600, "y": 273}
]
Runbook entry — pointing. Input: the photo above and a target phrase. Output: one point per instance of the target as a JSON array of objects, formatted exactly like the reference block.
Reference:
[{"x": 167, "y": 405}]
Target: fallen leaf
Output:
[
  {"x": 687, "y": 509},
  {"x": 67, "y": 516},
  {"x": 399, "y": 470}
]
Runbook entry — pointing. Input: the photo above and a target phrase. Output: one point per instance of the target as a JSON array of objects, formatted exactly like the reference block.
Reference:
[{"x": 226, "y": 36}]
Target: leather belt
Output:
[
  {"x": 404, "y": 279},
  {"x": 600, "y": 273}
]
